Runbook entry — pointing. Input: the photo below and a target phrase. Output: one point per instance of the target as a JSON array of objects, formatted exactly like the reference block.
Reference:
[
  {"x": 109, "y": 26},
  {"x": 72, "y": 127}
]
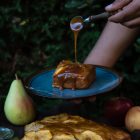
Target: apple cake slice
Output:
[
  {"x": 73, "y": 75},
  {"x": 69, "y": 127}
]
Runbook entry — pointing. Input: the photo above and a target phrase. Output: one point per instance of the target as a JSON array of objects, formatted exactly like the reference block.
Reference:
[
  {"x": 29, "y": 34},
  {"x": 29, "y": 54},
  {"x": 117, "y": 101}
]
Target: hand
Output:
[
  {"x": 88, "y": 99},
  {"x": 128, "y": 12}
]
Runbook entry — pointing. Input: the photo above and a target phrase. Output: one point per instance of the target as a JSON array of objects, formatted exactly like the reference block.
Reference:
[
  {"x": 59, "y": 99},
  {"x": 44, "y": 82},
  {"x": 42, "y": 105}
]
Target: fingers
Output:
[
  {"x": 128, "y": 13},
  {"x": 92, "y": 99},
  {"x": 132, "y": 23},
  {"x": 118, "y": 4},
  {"x": 76, "y": 101},
  {"x": 87, "y": 99}
]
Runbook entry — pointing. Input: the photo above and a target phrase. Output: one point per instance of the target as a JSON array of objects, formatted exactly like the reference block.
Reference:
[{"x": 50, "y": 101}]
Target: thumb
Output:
[{"x": 118, "y": 4}]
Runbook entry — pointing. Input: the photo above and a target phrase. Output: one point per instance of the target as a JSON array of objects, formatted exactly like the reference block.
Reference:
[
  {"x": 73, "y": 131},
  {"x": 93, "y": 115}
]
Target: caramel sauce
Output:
[
  {"x": 69, "y": 72},
  {"x": 76, "y": 25}
]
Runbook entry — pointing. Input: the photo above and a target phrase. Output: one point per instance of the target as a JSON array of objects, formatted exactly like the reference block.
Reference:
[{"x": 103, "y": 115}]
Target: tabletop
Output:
[{"x": 75, "y": 109}]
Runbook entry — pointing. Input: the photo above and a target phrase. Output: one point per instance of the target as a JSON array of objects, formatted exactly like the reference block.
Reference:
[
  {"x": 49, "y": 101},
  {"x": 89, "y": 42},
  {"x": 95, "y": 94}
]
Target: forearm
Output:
[{"x": 114, "y": 39}]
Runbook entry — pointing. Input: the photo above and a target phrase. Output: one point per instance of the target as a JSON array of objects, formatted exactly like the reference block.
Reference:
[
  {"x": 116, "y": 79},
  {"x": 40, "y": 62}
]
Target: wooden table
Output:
[
  {"x": 64, "y": 108},
  {"x": 18, "y": 130}
]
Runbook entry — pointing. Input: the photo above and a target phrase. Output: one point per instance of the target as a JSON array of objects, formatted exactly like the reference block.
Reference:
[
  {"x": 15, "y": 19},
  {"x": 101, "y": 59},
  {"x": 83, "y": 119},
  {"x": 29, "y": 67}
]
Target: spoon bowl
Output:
[{"x": 76, "y": 23}]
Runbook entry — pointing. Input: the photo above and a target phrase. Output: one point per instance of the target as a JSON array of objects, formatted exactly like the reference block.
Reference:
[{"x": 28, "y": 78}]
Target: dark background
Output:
[{"x": 35, "y": 35}]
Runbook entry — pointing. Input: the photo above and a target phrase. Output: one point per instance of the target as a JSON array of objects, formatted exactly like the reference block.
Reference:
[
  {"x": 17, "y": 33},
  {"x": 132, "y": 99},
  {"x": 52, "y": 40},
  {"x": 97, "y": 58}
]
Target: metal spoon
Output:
[
  {"x": 103, "y": 15},
  {"x": 77, "y": 22}
]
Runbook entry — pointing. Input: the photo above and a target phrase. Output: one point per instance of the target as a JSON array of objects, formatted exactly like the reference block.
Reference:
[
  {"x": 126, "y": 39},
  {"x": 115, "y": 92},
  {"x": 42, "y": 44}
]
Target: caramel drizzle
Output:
[
  {"x": 75, "y": 45},
  {"x": 76, "y": 25}
]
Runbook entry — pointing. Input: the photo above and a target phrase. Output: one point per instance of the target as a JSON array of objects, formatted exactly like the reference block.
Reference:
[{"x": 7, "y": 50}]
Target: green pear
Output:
[{"x": 19, "y": 107}]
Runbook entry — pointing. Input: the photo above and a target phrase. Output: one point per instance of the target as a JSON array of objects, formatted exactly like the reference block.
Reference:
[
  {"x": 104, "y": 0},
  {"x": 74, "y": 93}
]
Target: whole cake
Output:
[
  {"x": 73, "y": 75},
  {"x": 68, "y": 127}
]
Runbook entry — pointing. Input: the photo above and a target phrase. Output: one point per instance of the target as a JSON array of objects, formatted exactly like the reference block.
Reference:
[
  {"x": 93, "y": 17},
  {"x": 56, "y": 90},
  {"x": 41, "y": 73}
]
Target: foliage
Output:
[{"x": 36, "y": 35}]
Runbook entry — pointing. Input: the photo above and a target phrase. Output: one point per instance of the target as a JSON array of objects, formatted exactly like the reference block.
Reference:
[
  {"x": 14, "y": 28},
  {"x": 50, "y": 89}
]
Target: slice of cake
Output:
[{"x": 73, "y": 75}]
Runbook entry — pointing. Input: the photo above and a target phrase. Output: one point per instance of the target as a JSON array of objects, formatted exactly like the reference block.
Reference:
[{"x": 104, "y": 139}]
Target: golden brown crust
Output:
[
  {"x": 73, "y": 75},
  {"x": 68, "y": 127}
]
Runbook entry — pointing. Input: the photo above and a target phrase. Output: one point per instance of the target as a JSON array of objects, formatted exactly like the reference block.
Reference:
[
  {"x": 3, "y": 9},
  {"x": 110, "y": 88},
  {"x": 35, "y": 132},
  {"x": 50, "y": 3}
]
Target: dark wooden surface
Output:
[
  {"x": 70, "y": 108},
  {"x": 66, "y": 107},
  {"x": 18, "y": 130}
]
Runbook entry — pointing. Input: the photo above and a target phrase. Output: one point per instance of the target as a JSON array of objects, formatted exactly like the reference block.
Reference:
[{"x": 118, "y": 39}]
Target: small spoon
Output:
[{"x": 77, "y": 22}]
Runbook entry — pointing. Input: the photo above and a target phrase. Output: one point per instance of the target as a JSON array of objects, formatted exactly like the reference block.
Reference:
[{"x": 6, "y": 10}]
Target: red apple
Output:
[{"x": 116, "y": 108}]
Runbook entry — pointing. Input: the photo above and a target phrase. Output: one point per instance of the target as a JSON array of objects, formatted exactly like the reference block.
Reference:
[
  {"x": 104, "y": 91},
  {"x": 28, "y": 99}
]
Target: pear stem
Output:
[{"x": 16, "y": 76}]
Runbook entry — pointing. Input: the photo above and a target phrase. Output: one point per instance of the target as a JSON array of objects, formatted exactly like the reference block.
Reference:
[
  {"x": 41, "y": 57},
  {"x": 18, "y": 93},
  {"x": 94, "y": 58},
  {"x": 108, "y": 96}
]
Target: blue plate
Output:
[{"x": 41, "y": 84}]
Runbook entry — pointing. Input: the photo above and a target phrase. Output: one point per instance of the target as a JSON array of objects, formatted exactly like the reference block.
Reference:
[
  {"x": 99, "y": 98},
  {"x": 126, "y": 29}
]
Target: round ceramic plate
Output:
[{"x": 41, "y": 84}]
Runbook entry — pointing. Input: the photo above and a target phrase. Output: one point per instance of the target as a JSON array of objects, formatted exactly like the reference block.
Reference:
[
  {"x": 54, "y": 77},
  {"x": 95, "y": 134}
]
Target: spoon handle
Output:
[{"x": 97, "y": 17}]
